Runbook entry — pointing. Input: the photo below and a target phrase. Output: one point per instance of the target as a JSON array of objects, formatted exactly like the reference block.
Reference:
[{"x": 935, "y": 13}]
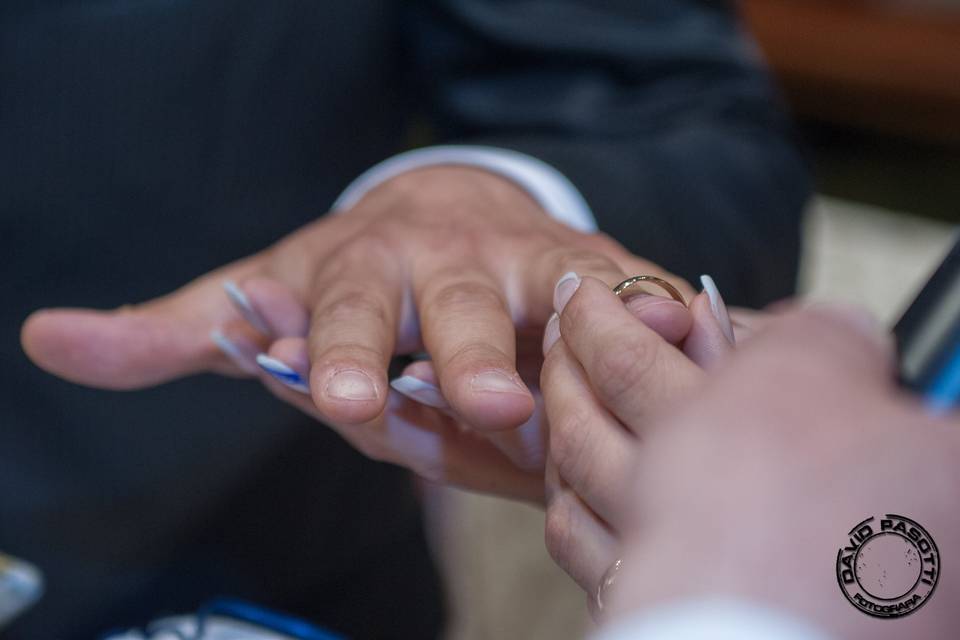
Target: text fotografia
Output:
[{"x": 889, "y": 566}]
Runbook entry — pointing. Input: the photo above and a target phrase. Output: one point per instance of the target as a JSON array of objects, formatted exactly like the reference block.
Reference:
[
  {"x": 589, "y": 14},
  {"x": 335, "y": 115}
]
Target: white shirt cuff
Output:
[
  {"x": 711, "y": 620},
  {"x": 550, "y": 188}
]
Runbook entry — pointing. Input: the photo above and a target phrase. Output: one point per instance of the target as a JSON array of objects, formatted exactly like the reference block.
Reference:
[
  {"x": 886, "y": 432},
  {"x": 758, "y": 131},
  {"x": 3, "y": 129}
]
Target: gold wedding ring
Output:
[{"x": 660, "y": 282}]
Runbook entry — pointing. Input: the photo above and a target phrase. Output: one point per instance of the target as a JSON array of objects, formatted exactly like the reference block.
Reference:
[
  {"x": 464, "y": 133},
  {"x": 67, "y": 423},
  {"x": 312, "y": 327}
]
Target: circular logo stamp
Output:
[{"x": 889, "y": 567}]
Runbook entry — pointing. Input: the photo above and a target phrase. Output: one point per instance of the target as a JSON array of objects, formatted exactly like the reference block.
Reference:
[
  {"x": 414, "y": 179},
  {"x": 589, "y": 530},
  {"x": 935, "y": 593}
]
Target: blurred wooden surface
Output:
[{"x": 886, "y": 66}]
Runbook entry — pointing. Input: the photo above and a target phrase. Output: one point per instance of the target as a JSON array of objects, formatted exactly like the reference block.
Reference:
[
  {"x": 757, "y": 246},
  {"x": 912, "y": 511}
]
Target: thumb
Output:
[{"x": 138, "y": 345}]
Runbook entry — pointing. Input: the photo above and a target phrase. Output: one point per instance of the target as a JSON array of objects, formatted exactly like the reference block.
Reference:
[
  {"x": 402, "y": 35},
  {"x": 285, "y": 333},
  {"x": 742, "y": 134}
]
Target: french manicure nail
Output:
[
  {"x": 567, "y": 285},
  {"x": 551, "y": 333},
  {"x": 243, "y": 361},
  {"x": 496, "y": 382},
  {"x": 718, "y": 307},
  {"x": 283, "y": 373},
  {"x": 351, "y": 384},
  {"x": 420, "y": 391},
  {"x": 242, "y": 303}
]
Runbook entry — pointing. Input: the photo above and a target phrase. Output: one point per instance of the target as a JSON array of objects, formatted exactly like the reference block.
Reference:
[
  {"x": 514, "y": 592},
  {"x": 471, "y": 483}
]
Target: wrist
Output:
[
  {"x": 548, "y": 187},
  {"x": 743, "y": 566},
  {"x": 448, "y": 191}
]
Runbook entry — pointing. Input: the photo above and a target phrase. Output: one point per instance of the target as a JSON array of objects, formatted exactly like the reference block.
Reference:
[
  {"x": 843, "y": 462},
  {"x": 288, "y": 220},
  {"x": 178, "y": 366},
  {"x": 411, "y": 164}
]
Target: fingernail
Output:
[
  {"x": 351, "y": 384},
  {"x": 244, "y": 362},
  {"x": 242, "y": 303},
  {"x": 718, "y": 307},
  {"x": 496, "y": 382},
  {"x": 420, "y": 391},
  {"x": 283, "y": 373},
  {"x": 567, "y": 285},
  {"x": 551, "y": 333}
]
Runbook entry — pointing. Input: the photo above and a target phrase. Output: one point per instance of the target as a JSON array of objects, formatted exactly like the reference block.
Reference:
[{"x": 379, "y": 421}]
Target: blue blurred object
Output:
[
  {"x": 944, "y": 393},
  {"x": 253, "y": 614},
  {"x": 928, "y": 337},
  {"x": 21, "y": 585},
  {"x": 229, "y": 618}
]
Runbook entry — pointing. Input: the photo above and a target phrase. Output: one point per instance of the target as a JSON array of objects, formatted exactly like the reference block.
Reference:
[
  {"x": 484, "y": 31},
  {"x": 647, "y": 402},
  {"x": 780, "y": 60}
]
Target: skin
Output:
[
  {"x": 405, "y": 432},
  {"x": 453, "y": 261},
  {"x": 603, "y": 382},
  {"x": 746, "y": 487}
]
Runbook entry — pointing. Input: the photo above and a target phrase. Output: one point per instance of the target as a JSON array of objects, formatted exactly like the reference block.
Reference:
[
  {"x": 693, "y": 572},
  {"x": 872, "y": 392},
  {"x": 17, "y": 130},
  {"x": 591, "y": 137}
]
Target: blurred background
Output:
[{"x": 875, "y": 87}]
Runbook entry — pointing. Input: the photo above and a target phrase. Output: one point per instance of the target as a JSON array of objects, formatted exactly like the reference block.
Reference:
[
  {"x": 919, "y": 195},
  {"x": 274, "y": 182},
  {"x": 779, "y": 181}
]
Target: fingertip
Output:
[
  {"x": 718, "y": 307},
  {"x": 551, "y": 333},
  {"x": 595, "y": 286},
  {"x": 594, "y": 292},
  {"x": 493, "y": 399},
  {"x": 240, "y": 353},
  {"x": 241, "y": 302},
  {"x": 31, "y": 332},
  {"x": 589, "y": 295},
  {"x": 42, "y": 340},
  {"x": 105, "y": 349},
  {"x": 706, "y": 342},
  {"x": 595, "y": 305},
  {"x": 348, "y": 393},
  {"x": 665, "y": 316}
]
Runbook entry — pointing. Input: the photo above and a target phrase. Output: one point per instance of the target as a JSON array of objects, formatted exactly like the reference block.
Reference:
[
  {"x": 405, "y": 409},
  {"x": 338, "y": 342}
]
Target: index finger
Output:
[{"x": 630, "y": 368}]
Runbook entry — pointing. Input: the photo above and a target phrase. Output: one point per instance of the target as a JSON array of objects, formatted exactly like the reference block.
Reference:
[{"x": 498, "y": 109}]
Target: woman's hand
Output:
[
  {"x": 604, "y": 382},
  {"x": 748, "y": 489}
]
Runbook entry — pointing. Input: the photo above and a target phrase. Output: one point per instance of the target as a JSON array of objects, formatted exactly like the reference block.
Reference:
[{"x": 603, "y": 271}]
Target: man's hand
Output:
[{"x": 454, "y": 261}]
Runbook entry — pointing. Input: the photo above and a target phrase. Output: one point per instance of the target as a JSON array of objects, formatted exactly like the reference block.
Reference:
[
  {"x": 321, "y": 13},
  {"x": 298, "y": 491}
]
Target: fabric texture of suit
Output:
[{"x": 144, "y": 142}]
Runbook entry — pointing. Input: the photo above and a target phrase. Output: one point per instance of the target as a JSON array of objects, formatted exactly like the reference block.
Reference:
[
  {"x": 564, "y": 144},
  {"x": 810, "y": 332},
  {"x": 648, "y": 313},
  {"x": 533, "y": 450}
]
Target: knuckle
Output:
[
  {"x": 471, "y": 294},
  {"x": 346, "y": 307},
  {"x": 604, "y": 243},
  {"x": 624, "y": 365},
  {"x": 585, "y": 262},
  {"x": 369, "y": 243},
  {"x": 568, "y": 440}
]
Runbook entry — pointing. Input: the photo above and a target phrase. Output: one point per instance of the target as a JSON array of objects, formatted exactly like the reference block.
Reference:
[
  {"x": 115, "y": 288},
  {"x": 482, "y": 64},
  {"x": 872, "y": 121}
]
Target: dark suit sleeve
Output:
[{"x": 659, "y": 111}]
